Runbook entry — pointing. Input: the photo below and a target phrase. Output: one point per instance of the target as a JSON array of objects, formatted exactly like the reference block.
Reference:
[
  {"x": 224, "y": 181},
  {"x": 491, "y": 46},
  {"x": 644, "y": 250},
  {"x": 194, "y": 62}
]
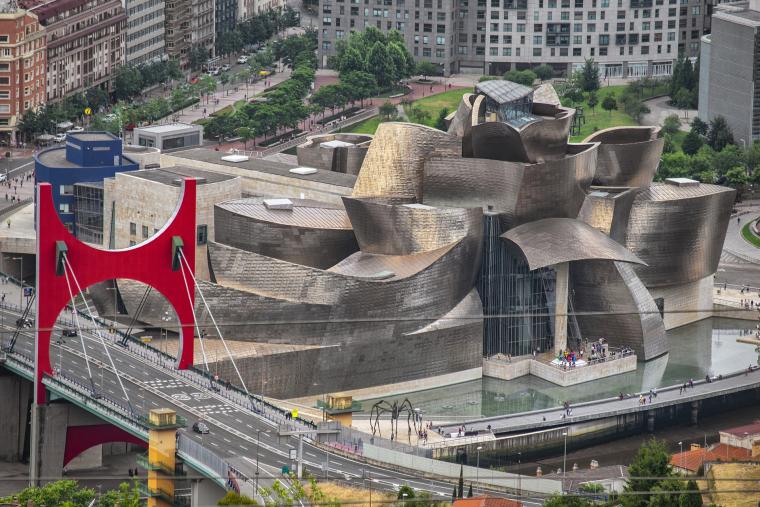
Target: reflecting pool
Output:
[{"x": 705, "y": 347}]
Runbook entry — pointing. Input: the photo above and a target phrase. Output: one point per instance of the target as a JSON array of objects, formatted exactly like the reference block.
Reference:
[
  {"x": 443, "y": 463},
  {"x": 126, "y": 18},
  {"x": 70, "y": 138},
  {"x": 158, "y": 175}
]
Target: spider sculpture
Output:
[{"x": 395, "y": 409}]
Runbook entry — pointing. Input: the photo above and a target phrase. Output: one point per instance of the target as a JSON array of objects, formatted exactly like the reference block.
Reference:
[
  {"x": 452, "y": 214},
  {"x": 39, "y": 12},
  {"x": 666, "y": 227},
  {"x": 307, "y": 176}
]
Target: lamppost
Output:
[
  {"x": 564, "y": 463},
  {"x": 165, "y": 318},
  {"x": 519, "y": 477},
  {"x": 477, "y": 464},
  {"x": 256, "y": 480},
  {"x": 21, "y": 278},
  {"x": 680, "y": 445}
]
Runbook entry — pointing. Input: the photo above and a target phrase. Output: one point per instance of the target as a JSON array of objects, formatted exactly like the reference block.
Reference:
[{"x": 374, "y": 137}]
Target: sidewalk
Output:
[{"x": 735, "y": 243}]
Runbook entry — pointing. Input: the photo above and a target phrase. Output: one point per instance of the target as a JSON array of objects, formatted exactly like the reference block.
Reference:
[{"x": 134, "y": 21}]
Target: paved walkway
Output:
[
  {"x": 735, "y": 243},
  {"x": 660, "y": 109},
  {"x": 554, "y": 417}
]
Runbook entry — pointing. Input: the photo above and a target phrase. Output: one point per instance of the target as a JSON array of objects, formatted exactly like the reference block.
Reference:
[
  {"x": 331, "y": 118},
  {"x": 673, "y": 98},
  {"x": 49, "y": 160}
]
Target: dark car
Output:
[
  {"x": 200, "y": 427},
  {"x": 24, "y": 323},
  {"x": 68, "y": 333}
]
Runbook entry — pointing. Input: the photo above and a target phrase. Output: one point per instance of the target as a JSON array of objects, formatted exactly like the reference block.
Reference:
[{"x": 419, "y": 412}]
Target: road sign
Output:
[
  {"x": 293, "y": 454},
  {"x": 87, "y": 111},
  {"x": 285, "y": 470},
  {"x": 294, "y": 413}
]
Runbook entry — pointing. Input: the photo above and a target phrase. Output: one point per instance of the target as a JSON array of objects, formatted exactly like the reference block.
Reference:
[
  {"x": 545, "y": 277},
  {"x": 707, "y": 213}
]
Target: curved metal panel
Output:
[
  {"x": 544, "y": 139},
  {"x": 394, "y": 162},
  {"x": 678, "y": 231},
  {"x": 312, "y": 233},
  {"x": 628, "y": 156},
  {"x": 520, "y": 193},
  {"x": 343, "y": 153},
  {"x": 612, "y": 303},
  {"x": 556, "y": 240},
  {"x": 607, "y": 209},
  {"x": 388, "y": 229}
]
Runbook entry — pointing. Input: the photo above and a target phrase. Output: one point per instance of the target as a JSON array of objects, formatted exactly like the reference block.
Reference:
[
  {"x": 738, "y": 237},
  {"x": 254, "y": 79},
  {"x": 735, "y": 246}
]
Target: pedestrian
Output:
[
  {"x": 738, "y": 220},
  {"x": 9, "y": 223}
]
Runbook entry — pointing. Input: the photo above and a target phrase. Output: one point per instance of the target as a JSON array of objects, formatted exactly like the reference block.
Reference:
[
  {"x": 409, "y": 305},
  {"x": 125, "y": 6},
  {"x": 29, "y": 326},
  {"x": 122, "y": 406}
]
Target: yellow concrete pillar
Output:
[{"x": 162, "y": 452}]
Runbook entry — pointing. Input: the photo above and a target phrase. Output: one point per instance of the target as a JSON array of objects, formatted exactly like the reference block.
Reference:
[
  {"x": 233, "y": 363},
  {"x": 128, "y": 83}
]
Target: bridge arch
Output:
[
  {"x": 81, "y": 438},
  {"x": 150, "y": 262}
]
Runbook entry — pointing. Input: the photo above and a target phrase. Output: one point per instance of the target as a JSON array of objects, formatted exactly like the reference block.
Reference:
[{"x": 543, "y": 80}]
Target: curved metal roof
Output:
[
  {"x": 305, "y": 213},
  {"x": 556, "y": 240}
]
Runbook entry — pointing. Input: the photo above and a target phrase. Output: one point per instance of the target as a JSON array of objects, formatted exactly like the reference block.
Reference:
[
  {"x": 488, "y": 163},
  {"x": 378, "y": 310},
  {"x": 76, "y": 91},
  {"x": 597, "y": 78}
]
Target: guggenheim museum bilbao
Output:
[{"x": 496, "y": 237}]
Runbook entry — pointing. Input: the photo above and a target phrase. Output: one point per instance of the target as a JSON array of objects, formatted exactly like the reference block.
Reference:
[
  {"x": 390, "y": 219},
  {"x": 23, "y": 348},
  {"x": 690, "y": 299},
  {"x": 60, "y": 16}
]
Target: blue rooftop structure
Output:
[{"x": 86, "y": 157}]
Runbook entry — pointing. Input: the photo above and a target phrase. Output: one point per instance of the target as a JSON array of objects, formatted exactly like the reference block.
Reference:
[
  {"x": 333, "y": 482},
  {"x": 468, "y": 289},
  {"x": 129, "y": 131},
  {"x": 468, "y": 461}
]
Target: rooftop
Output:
[
  {"x": 167, "y": 127},
  {"x": 304, "y": 213},
  {"x": 55, "y": 158},
  {"x": 92, "y": 136},
  {"x": 267, "y": 166},
  {"x": 692, "y": 459},
  {"x": 738, "y": 12},
  {"x": 173, "y": 175},
  {"x": 668, "y": 192},
  {"x": 503, "y": 91},
  {"x": 739, "y": 431}
]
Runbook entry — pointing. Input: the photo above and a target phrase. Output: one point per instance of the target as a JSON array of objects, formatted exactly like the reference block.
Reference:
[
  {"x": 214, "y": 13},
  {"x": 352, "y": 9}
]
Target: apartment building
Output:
[
  {"x": 145, "y": 30},
  {"x": 628, "y": 38},
  {"x": 729, "y": 71},
  {"x": 178, "y": 33},
  {"x": 85, "y": 43},
  {"x": 22, "y": 68},
  {"x": 203, "y": 25},
  {"x": 226, "y": 15}
]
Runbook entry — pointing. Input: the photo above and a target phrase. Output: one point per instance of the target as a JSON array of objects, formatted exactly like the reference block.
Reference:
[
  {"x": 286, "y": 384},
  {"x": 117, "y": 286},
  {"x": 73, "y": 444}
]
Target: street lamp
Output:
[
  {"x": 165, "y": 318},
  {"x": 564, "y": 462},
  {"x": 680, "y": 445},
  {"x": 519, "y": 477},
  {"x": 477, "y": 465},
  {"x": 21, "y": 278}
]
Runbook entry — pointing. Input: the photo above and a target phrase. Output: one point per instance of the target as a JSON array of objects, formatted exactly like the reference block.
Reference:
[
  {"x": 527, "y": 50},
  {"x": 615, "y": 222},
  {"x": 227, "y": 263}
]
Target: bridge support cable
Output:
[
  {"x": 213, "y": 320},
  {"x": 96, "y": 327},
  {"x": 128, "y": 332},
  {"x": 17, "y": 331},
  {"x": 75, "y": 314},
  {"x": 195, "y": 320}
]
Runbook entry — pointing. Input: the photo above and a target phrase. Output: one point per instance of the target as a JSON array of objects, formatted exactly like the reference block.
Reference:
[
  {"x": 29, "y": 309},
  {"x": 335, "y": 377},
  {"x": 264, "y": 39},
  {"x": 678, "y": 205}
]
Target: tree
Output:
[
  {"x": 593, "y": 100},
  {"x": 360, "y": 85},
  {"x": 387, "y": 110},
  {"x": 650, "y": 465},
  {"x": 352, "y": 61},
  {"x": 736, "y": 177},
  {"x": 232, "y": 498},
  {"x": 691, "y": 497},
  {"x": 634, "y": 107},
  {"x": 426, "y": 69},
  {"x": 127, "y": 83},
  {"x": 609, "y": 103},
  {"x": 197, "y": 57},
  {"x": 440, "y": 123},
  {"x": 380, "y": 64},
  {"x": 666, "y": 493},
  {"x": 567, "y": 501},
  {"x": 691, "y": 143},
  {"x": 60, "y": 493},
  {"x": 699, "y": 126},
  {"x": 523, "y": 77},
  {"x": 544, "y": 72},
  {"x": 671, "y": 125},
  {"x": 469, "y": 491},
  {"x": 246, "y": 134},
  {"x": 405, "y": 492},
  {"x": 589, "y": 76},
  {"x": 224, "y": 79},
  {"x": 125, "y": 496},
  {"x": 731, "y": 156},
  {"x": 419, "y": 115},
  {"x": 461, "y": 481},
  {"x": 719, "y": 135}
]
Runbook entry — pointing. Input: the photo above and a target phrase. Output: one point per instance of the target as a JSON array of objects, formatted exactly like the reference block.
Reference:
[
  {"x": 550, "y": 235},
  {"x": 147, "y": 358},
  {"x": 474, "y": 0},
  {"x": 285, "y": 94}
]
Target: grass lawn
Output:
[
  {"x": 434, "y": 103},
  {"x": 368, "y": 126},
  {"x": 750, "y": 236}
]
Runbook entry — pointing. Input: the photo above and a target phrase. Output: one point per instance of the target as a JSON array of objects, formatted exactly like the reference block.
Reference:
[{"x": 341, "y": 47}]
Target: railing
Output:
[
  {"x": 612, "y": 355},
  {"x": 190, "y": 450}
]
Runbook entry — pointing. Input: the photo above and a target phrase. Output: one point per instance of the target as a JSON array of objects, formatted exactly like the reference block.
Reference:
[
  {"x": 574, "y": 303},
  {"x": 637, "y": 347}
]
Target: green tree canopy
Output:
[
  {"x": 719, "y": 135},
  {"x": 671, "y": 125},
  {"x": 650, "y": 465},
  {"x": 609, "y": 103},
  {"x": 692, "y": 143},
  {"x": 523, "y": 77},
  {"x": 544, "y": 72}
]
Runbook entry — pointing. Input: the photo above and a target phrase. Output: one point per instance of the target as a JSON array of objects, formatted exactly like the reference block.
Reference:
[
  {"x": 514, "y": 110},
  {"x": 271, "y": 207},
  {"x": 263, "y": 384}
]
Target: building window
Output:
[
  {"x": 132, "y": 228},
  {"x": 202, "y": 234},
  {"x": 4, "y": 80},
  {"x": 67, "y": 189},
  {"x": 5, "y": 67},
  {"x": 3, "y": 39},
  {"x": 144, "y": 231},
  {"x": 64, "y": 207}
]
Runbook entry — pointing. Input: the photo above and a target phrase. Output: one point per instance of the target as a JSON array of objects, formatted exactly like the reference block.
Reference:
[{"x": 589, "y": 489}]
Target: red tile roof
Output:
[
  {"x": 693, "y": 459},
  {"x": 486, "y": 501},
  {"x": 739, "y": 431}
]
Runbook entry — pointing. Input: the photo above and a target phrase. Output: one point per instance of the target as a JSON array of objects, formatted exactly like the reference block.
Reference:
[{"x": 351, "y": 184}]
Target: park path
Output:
[{"x": 735, "y": 243}]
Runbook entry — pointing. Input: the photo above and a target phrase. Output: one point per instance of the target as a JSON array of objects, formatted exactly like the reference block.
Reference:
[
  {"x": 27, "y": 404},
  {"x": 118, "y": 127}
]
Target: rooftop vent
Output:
[
  {"x": 303, "y": 171},
  {"x": 235, "y": 158},
  {"x": 278, "y": 204},
  {"x": 682, "y": 182}
]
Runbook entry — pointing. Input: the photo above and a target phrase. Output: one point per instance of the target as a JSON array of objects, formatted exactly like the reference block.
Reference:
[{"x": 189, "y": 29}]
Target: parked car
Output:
[
  {"x": 214, "y": 72},
  {"x": 75, "y": 130},
  {"x": 69, "y": 332},
  {"x": 24, "y": 323},
  {"x": 226, "y": 67},
  {"x": 200, "y": 427},
  {"x": 4, "y": 176},
  {"x": 242, "y": 59},
  {"x": 59, "y": 138}
]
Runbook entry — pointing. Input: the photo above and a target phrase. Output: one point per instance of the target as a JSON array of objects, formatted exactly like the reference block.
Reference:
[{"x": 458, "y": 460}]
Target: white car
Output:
[
  {"x": 59, "y": 138},
  {"x": 226, "y": 67},
  {"x": 242, "y": 59},
  {"x": 75, "y": 130},
  {"x": 213, "y": 72}
]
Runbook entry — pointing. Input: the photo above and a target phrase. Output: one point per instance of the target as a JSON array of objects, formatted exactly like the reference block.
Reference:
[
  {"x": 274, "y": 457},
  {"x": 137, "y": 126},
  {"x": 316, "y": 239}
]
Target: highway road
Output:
[{"x": 233, "y": 429}]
